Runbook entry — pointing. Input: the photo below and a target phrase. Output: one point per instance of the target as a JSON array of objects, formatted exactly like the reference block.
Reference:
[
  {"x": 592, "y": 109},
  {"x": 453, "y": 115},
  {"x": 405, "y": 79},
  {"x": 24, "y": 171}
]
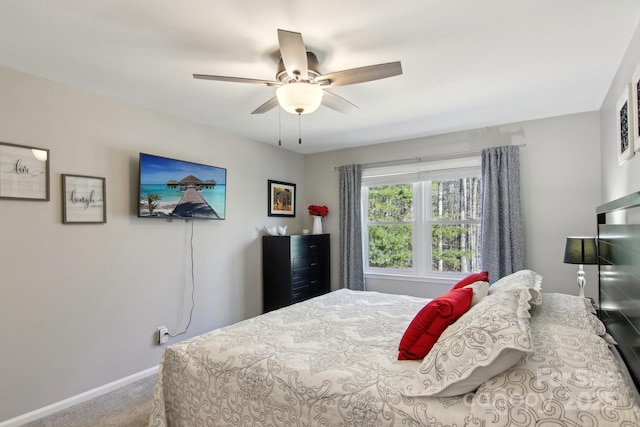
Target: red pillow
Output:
[
  {"x": 430, "y": 322},
  {"x": 482, "y": 276}
]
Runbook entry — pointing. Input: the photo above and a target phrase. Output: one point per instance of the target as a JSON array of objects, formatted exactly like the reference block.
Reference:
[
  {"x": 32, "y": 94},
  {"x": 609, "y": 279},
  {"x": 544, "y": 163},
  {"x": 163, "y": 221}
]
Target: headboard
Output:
[{"x": 619, "y": 276}]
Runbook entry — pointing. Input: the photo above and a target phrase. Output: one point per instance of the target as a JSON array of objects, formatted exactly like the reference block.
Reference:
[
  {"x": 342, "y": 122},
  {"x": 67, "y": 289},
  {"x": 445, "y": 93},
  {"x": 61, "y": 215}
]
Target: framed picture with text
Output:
[
  {"x": 24, "y": 172},
  {"x": 624, "y": 125},
  {"x": 282, "y": 199},
  {"x": 84, "y": 199}
]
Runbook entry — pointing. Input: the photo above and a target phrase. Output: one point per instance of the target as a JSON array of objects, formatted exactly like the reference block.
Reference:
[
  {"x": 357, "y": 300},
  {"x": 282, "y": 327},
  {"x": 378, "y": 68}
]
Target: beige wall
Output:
[
  {"x": 79, "y": 304},
  {"x": 560, "y": 184}
]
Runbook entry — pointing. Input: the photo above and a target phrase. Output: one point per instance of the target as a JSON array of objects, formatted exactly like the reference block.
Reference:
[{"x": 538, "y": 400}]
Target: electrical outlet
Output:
[{"x": 163, "y": 334}]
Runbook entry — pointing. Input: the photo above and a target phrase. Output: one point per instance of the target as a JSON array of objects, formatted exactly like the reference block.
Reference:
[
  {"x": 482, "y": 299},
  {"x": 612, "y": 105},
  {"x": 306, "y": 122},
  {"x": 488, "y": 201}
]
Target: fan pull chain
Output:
[
  {"x": 279, "y": 126},
  {"x": 299, "y": 129}
]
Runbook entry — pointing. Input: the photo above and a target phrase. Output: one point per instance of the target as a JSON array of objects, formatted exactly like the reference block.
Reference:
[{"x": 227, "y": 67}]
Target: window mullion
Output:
[
  {"x": 416, "y": 240},
  {"x": 427, "y": 220},
  {"x": 419, "y": 230}
]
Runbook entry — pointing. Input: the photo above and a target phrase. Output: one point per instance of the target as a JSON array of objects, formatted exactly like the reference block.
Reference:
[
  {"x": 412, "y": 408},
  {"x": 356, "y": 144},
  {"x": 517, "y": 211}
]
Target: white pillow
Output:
[
  {"x": 480, "y": 290},
  {"x": 520, "y": 279},
  {"x": 570, "y": 311},
  {"x": 485, "y": 341}
]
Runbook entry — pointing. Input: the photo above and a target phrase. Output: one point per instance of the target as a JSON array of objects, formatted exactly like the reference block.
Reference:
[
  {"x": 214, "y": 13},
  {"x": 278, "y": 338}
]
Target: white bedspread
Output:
[
  {"x": 571, "y": 378},
  {"x": 332, "y": 361}
]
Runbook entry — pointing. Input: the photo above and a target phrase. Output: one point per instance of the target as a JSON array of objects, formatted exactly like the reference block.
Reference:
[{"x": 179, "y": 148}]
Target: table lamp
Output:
[{"x": 580, "y": 250}]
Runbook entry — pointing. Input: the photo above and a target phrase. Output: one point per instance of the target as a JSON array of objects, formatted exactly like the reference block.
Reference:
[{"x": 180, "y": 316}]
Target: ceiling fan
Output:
[{"x": 301, "y": 88}]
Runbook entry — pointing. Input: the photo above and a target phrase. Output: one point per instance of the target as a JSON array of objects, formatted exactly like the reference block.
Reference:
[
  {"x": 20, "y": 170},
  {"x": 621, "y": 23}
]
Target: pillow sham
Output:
[
  {"x": 480, "y": 290},
  {"x": 570, "y": 311},
  {"x": 425, "y": 328},
  {"x": 490, "y": 338},
  {"x": 520, "y": 279},
  {"x": 482, "y": 276}
]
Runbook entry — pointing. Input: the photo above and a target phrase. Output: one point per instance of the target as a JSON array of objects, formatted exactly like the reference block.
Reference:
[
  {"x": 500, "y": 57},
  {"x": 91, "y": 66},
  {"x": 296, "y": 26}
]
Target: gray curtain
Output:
[
  {"x": 351, "y": 269},
  {"x": 502, "y": 247}
]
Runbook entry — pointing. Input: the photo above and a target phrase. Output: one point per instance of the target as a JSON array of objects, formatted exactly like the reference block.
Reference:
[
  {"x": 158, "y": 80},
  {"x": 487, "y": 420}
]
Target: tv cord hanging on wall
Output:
[{"x": 193, "y": 288}]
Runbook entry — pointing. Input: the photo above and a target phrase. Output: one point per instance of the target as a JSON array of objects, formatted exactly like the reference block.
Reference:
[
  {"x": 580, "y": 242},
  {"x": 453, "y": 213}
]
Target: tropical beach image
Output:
[{"x": 172, "y": 188}]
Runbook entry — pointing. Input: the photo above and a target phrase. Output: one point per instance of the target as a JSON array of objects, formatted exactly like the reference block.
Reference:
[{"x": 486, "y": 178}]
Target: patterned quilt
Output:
[{"x": 332, "y": 361}]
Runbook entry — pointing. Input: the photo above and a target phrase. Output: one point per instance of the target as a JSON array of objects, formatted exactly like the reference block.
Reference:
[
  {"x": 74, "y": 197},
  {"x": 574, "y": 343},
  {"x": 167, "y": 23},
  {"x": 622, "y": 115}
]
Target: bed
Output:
[{"x": 517, "y": 357}]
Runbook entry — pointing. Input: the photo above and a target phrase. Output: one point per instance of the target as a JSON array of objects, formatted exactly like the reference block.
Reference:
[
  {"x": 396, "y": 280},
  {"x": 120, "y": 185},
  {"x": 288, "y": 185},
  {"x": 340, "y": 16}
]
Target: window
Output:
[{"x": 422, "y": 220}]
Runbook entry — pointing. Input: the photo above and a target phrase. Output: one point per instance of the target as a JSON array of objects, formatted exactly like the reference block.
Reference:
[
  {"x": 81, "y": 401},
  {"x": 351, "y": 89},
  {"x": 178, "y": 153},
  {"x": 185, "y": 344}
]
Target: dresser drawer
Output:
[
  {"x": 301, "y": 283},
  {"x": 305, "y": 265},
  {"x": 307, "y": 246},
  {"x": 305, "y": 288}
]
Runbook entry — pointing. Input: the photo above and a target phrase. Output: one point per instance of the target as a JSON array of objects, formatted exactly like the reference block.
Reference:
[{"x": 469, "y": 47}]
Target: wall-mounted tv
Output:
[{"x": 170, "y": 188}]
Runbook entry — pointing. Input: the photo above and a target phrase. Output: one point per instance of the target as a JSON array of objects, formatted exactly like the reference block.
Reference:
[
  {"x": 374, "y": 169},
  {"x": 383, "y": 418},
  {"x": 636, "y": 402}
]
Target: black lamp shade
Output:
[{"x": 580, "y": 250}]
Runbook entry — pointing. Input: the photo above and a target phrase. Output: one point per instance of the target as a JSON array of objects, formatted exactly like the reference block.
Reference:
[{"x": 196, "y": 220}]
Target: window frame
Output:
[{"x": 420, "y": 176}]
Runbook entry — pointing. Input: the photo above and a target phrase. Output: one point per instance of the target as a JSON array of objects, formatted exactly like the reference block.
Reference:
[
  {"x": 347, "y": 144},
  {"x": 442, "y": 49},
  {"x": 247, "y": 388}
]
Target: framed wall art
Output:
[
  {"x": 24, "y": 172},
  {"x": 635, "y": 108},
  {"x": 624, "y": 124},
  {"x": 282, "y": 199},
  {"x": 84, "y": 199}
]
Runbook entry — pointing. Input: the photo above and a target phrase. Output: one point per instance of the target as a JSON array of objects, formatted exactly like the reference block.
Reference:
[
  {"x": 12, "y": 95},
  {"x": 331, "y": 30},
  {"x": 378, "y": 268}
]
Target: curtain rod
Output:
[{"x": 422, "y": 159}]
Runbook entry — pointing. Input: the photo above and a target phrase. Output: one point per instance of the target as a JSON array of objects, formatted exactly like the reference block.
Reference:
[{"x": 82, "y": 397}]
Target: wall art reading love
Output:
[{"x": 24, "y": 172}]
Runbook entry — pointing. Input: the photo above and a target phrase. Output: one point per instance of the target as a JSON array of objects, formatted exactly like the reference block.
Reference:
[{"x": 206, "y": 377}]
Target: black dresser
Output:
[{"x": 294, "y": 268}]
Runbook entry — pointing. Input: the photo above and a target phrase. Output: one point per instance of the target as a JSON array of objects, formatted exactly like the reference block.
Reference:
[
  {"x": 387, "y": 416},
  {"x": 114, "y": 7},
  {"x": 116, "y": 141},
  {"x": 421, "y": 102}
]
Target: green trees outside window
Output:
[
  {"x": 455, "y": 224},
  {"x": 390, "y": 245},
  {"x": 426, "y": 226}
]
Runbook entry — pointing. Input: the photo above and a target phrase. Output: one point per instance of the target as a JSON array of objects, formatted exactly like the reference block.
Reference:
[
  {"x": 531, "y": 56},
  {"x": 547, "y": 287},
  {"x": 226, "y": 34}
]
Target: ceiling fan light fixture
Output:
[{"x": 299, "y": 97}]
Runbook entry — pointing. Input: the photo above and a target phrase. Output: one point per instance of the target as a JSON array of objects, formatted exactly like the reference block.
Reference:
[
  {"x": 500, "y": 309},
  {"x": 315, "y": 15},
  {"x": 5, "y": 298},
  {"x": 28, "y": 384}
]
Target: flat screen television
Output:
[{"x": 171, "y": 188}]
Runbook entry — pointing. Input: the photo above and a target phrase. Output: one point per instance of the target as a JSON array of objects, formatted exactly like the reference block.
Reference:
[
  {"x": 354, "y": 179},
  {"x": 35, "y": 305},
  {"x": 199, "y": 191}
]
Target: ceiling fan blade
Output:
[
  {"x": 361, "y": 74},
  {"x": 270, "y": 104},
  {"x": 293, "y": 53},
  {"x": 236, "y": 79},
  {"x": 337, "y": 103}
]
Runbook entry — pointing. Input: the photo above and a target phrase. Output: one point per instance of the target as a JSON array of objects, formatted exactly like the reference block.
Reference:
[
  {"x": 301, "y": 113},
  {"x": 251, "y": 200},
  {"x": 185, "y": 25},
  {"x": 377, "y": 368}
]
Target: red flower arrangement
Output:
[{"x": 316, "y": 210}]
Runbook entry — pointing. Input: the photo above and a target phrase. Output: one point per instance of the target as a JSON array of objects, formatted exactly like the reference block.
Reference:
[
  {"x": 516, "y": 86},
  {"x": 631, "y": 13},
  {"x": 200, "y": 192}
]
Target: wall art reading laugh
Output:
[
  {"x": 24, "y": 172},
  {"x": 84, "y": 199}
]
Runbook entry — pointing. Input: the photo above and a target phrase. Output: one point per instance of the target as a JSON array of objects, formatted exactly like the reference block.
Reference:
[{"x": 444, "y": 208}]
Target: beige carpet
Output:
[{"x": 129, "y": 406}]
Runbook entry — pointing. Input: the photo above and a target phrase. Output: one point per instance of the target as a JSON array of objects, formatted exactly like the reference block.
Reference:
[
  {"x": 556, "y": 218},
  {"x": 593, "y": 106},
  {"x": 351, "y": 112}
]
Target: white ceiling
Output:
[{"x": 467, "y": 63}]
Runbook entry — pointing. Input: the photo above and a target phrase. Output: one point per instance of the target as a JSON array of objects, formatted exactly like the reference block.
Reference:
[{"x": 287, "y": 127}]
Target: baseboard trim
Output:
[{"x": 79, "y": 398}]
